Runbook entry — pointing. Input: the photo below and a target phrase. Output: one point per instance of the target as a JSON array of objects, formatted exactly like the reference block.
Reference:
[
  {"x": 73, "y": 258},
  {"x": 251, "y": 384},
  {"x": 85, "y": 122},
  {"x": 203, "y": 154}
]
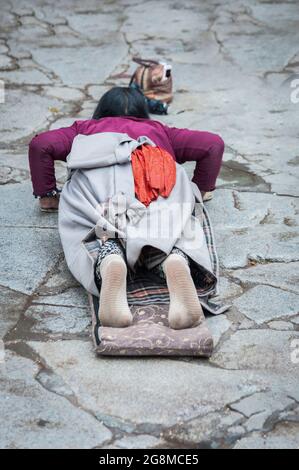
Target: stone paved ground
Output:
[{"x": 233, "y": 65}]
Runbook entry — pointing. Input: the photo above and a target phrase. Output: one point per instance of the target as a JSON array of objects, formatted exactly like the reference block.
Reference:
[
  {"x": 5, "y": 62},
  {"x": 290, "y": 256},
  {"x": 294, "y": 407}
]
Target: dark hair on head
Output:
[{"x": 122, "y": 101}]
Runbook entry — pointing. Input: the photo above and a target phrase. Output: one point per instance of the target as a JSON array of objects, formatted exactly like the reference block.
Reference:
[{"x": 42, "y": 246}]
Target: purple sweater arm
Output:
[
  {"x": 204, "y": 148},
  {"x": 44, "y": 148},
  {"x": 190, "y": 145}
]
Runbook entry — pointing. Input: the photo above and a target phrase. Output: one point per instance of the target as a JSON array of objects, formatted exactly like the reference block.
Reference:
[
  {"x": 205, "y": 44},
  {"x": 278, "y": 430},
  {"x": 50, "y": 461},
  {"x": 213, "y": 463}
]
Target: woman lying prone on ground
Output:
[{"x": 128, "y": 203}]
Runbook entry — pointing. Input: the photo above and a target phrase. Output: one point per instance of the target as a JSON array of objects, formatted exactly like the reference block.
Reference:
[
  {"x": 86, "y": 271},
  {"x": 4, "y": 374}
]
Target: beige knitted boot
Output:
[
  {"x": 185, "y": 310},
  {"x": 114, "y": 309}
]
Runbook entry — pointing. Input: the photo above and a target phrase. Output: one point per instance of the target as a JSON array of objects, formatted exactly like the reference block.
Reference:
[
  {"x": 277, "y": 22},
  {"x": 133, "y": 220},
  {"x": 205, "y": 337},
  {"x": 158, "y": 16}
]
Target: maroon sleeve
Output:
[
  {"x": 191, "y": 145},
  {"x": 44, "y": 148},
  {"x": 204, "y": 148}
]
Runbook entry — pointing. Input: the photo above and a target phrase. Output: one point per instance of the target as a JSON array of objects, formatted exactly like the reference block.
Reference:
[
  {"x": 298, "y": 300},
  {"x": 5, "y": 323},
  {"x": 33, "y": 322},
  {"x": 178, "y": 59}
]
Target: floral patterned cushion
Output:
[{"x": 150, "y": 335}]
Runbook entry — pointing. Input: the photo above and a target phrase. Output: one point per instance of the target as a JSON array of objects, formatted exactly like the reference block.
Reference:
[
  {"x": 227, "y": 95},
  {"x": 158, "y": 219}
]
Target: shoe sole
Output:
[{"x": 48, "y": 210}]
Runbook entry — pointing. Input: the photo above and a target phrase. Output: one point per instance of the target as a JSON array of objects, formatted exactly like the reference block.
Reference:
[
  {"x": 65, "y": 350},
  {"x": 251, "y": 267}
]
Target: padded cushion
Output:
[{"x": 150, "y": 335}]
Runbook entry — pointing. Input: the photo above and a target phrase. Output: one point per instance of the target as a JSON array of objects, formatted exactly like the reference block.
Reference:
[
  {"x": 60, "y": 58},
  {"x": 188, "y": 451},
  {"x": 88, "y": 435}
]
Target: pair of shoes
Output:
[
  {"x": 49, "y": 203},
  {"x": 185, "y": 310}
]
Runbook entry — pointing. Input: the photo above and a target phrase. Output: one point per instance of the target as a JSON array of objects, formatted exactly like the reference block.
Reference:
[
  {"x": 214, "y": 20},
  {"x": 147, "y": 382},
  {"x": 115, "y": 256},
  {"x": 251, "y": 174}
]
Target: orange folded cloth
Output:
[{"x": 154, "y": 173}]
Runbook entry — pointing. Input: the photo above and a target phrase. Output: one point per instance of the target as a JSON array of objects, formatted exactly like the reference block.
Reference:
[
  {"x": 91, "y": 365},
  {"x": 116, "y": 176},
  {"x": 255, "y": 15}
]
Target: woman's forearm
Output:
[
  {"x": 204, "y": 148},
  {"x": 44, "y": 149}
]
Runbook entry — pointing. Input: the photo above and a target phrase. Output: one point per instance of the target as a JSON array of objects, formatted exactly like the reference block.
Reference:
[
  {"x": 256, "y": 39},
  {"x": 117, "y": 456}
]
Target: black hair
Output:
[{"x": 122, "y": 101}]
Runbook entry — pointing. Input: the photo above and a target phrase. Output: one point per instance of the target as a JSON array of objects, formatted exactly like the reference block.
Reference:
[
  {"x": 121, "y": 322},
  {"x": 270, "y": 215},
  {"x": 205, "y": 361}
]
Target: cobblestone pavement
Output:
[{"x": 234, "y": 64}]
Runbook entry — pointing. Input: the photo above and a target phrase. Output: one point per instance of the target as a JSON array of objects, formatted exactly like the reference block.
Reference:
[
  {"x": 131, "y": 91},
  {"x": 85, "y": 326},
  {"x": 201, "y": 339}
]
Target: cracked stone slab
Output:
[
  {"x": 7, "y": 21},
  {"x": 64, "y": 93},
  {"x": 258, "y": 350},
  {"x": 27, "y": 254},
  {"x": 284, "y": 436},
  {"x": 183, "y": 24},
  {"x": 14, "y": 122},
  {"x": 251, "y": 52},
  {"x": 54, "y": 383},
  {"x": 228, "y": 211},
  {"x": 141, "y": 441},
  {"x": 38, "y": 419},
  {"x": 12, "y": 304},
  {"x": 3, "y": 47},
  {"x": 14, "y": 160},
  {"x": 282, "y": 275},
  {"x": 31, "y": 76},
  {"x": 235, "y": 209},
  {"x": 237, "y": 26},
  {"x": 22, "y": 10},
  {"x": 96, "y": 26},
  {"x": 50, "y": 15},
  {"x": 12, "y": 175},
  {"x": 207, "y": 430},
  {"x": 31, "y": 20},
  {"x": 59, "y": 281},
  {"x": 21, "y": 209},
  {"x": 73, "y": 297},
  {"x": 256, "y": 422},
  {"x": 259, "y": 407},
  {"x": 284, "y": 13},
  {"x": 106, "y": 55},
  {"x": 281, "y": 325},
  {"x": 277, "y": 176},
  {"x": 279, "y": 185},
  {"x": 228, "y": 289},
  {"x": 6, "y": 63},
  {"x": 31, "y": 34},
  {"x": 165, "y": 391},
  {"x": 247, "y": 324},
  {"x": 218, "y": 325},
  {"x": 264, "y": 303},
  {"x": 240, "y": 247},
  {"x": 183, "y": 52},
  {"x": 58, "y": 321}
]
